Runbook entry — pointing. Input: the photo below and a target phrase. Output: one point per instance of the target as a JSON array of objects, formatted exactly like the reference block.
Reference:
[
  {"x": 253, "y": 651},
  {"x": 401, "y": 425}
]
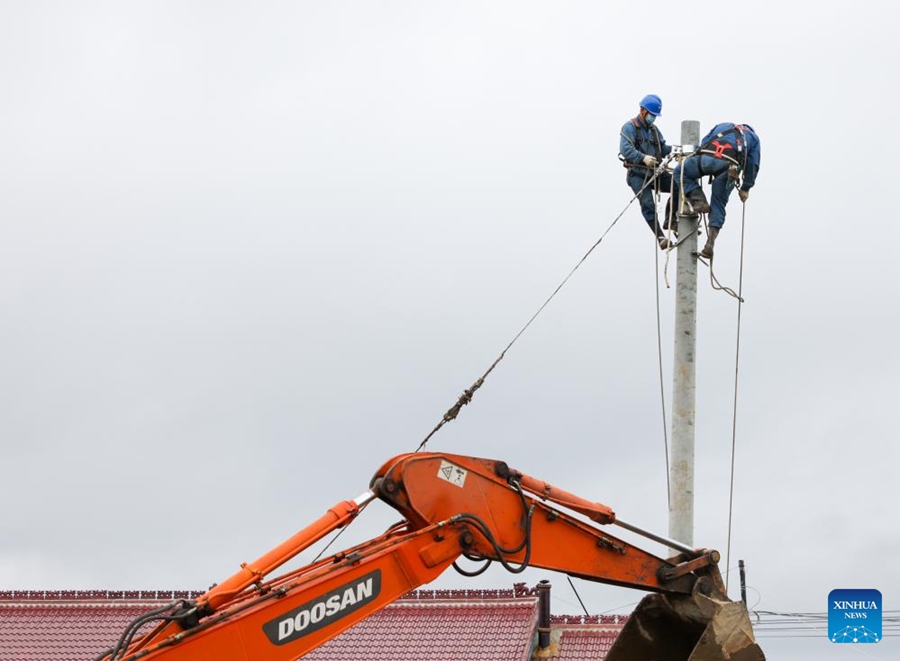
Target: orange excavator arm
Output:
[
  {"x": 512, "y": 523},
  {"x": 453, "y": 506}
]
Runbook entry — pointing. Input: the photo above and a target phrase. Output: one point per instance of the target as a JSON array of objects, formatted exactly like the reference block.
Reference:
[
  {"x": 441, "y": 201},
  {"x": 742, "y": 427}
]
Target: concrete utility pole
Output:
[{"x": 681, "y": 469}]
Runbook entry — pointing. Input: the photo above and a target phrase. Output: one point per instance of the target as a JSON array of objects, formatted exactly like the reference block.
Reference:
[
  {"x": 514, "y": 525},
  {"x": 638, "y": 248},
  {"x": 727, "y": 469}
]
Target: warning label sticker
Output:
[{"x": 452, "y": 474}]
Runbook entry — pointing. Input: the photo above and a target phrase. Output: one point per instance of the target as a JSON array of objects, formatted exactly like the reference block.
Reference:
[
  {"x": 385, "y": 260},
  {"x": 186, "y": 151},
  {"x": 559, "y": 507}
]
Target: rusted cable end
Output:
[{"x": 464, "y": 399}]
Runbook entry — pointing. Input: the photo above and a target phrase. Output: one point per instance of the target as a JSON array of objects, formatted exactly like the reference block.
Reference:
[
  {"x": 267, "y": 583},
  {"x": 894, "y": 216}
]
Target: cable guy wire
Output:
[{"x": 467, "y": 395}]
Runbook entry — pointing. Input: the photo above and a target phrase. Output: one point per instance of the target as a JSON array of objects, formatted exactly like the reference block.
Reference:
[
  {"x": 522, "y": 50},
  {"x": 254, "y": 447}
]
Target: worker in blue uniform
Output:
[
  {"x": 729, "y": 154},
  {"x": 641, "y": 148}
]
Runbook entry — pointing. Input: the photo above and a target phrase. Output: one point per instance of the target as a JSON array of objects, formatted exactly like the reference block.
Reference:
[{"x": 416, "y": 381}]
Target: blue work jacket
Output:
[{"x": 637, "y": 139}]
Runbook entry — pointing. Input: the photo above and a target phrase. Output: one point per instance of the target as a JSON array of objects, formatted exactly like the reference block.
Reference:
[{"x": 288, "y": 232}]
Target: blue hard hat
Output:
[{"x": 653, "y": 104}]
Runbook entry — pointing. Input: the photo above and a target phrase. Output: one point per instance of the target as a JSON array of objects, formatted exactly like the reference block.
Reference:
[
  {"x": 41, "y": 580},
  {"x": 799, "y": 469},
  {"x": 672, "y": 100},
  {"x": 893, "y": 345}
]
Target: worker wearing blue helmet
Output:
[
  {"x": 641, "y": 147},
  {"x": 728, "y": 154}
]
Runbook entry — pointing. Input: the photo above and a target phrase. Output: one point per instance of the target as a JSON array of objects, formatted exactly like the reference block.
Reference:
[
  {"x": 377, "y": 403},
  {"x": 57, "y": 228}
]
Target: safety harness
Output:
[{"x": 734, "y": 154}]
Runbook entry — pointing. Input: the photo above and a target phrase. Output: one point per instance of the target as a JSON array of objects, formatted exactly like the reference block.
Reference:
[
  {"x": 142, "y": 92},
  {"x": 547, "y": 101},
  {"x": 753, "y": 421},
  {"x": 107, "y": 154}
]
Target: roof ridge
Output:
[
  {"x": 588, "y": 619},
  {"x": 429, "y": 595},
  {"x": 104, "y": 595},
  {"x": 525, "y": 603}
]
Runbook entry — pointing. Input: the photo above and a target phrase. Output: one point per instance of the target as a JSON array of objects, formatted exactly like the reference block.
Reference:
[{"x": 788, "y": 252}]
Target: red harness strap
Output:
[
  {"x": 717, "y": 149},
  {"x": 720, "y": 148}
]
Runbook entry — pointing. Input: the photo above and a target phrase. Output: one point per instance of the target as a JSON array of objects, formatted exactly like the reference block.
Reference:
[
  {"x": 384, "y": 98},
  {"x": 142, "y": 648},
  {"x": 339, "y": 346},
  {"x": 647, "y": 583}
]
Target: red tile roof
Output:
[
  {"x": 413, "y": 629},
  {"x": 70, "y": 625},
  {"x": 426, "y": 625},
  {"x": 581, "y": 644}
]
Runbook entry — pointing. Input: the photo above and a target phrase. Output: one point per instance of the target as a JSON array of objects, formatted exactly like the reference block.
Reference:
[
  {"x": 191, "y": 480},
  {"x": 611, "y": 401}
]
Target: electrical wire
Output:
[
  {"x": 776, "y": 624},
  {"x": 713, "y": 280},
  {"x": 577, "y": 596},
  {"x": 737, "y": 359},
  {"x": 659, "y": 350},
  {"x": 339, "y": 533},
  {"x": 467, "y": 395}
]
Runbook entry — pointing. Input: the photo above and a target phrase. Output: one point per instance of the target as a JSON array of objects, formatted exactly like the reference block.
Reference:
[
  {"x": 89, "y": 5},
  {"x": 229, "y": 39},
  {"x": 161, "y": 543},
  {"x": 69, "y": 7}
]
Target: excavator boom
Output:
[{"x": 453, "y": 506}]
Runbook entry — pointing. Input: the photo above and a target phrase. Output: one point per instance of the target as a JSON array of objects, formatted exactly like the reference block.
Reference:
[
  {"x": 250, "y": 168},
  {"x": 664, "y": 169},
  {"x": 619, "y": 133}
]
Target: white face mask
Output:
[{"x": 649, "y": 119}]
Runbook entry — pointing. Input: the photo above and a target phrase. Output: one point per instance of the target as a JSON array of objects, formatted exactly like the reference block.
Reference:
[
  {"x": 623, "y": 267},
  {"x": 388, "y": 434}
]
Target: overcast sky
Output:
[{"x": 250, "y": 251}]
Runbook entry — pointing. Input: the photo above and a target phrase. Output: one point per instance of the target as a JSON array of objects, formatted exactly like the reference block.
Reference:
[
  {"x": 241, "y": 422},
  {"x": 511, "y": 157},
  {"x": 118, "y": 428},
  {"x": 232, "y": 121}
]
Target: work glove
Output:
[
  {"x": 744, "y": 194},
  {"x": 649, "y": 161}
]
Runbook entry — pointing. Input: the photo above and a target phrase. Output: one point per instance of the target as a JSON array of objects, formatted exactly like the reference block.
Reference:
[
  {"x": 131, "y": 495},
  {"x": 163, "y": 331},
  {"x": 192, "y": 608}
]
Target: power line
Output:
[
  {"x": 775, "y": 624},
  {"x": 737, "y": 358}
]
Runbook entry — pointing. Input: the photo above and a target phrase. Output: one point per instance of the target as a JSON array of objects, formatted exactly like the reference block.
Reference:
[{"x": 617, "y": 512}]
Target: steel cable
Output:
[
  {"x": 737, "y": 356},
  {"x": 467, "y": 395}
]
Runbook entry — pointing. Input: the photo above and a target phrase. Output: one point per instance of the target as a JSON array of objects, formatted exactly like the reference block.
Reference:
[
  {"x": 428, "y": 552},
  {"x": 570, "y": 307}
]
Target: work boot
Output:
[
  {"x": 664, "y": 243},
  {"x": 710, "y": 242},
  {"x": 697, "y": 200}
]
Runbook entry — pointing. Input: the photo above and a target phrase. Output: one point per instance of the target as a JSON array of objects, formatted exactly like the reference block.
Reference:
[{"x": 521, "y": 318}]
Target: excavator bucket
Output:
[{"x": 687, "y": 628}]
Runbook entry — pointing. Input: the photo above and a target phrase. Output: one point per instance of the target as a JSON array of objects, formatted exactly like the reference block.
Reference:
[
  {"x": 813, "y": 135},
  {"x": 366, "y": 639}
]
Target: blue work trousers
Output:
[
  {"x": 721, "y": 186},
  {"x": 648, "y": 197}
]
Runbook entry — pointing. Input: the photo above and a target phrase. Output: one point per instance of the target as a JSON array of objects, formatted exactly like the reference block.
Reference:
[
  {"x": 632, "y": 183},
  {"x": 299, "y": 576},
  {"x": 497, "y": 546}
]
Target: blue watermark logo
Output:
[{"x": 854, "y": 616}]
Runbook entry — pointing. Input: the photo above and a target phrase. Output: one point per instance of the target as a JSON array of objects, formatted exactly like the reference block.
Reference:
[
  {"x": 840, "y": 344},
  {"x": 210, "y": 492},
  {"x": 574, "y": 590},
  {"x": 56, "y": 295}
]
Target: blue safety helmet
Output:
[{"x": 653, "y": 104}]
